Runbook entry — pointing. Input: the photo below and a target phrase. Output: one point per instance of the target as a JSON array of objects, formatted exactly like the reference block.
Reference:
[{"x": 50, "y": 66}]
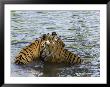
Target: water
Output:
[{"x": 80, "y": 31}]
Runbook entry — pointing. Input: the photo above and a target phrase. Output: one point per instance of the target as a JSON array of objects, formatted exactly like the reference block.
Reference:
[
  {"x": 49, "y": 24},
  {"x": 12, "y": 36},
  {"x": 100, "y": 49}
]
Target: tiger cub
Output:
[
  {"x": 55, "y": 53},
  {"x": 34, "y": 50},
  {"x": 30, "y": 52}
]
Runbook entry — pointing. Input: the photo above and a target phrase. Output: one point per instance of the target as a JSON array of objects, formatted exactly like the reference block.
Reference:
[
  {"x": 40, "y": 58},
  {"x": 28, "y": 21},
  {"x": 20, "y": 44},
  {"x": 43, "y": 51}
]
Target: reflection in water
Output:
[
  {"x": 80, "y": 31},
  {"x": 50, "y": 70}
]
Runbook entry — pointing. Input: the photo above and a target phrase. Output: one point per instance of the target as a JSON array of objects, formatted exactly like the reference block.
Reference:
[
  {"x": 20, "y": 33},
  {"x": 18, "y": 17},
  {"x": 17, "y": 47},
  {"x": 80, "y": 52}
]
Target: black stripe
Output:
[
  {"x": 21, "y": 58},
  {"x": 16, "y": 61},
  {"x": 31, "y": 45},
  {"x": 78, "y": 60},
  {"x": 60, "y": 53},
  {"x": 57, "y": 47},
  {"x": 66, "y": 53},
  {"x": 39, "y": 41},
  {"x": 71, "y": 57},
  {"x": 36, "y": 41},
  {"x": 29, "y": 57},
  {"x": 35, "y": 45},
  {"x": 29, "y": 50},
  {"x": 69, "y": 54},
  {"x": 74, "y": 55},
  {"x": 73, "y": 60},
  {"x": 23, "y": 53},
  {"x": 25, "y": 50},
  {"x": 28, "y": 54},
  {"x": 25, "y": 56}
]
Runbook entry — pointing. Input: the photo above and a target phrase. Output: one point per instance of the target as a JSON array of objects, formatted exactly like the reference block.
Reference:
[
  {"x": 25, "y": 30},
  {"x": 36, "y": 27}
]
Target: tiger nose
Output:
[{"x": 47, "y": 42}]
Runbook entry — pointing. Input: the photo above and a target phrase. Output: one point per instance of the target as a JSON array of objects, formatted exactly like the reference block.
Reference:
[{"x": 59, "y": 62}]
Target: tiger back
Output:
[{"x": 31, "y": 52}]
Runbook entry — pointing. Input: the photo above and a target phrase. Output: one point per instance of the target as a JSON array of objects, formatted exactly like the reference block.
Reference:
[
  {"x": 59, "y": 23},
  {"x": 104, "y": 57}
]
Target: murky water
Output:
[{"x": 80, "y": 31}]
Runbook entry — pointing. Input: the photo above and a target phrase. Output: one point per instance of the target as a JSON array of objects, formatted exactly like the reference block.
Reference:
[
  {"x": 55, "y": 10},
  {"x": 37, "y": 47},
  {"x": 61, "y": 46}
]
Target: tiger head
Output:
[
  {"x": 51, "y": 39},
  {"x": 51, "y": 42}
]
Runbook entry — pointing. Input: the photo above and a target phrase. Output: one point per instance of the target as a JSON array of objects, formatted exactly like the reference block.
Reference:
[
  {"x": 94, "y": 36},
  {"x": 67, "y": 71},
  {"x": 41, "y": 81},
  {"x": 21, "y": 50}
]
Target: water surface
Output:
[{"x": 80, "y": 31}]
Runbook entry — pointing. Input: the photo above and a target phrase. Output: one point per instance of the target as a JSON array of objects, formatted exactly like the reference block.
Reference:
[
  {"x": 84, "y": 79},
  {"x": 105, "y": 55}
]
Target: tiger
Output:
[
  {"x": 55, "y": 38},
  {"x": 33, "y": 51},
  {"x": 55, "y": 53}
]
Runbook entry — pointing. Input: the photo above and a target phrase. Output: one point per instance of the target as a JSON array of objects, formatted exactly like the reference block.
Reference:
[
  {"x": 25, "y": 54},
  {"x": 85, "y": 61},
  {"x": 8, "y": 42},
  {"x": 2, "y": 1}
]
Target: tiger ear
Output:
[
  {"x": 44, "y": 36},
  {"x": 54, "y": 34},
  {"x": 47, "y": 33}
]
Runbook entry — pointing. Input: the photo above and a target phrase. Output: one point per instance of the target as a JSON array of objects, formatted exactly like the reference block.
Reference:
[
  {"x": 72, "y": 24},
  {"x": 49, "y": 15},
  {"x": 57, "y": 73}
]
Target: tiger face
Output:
[
  {"x": 50, "y": 46},
  {"x": 52, "y": 39},
  {"x": 52, "y": 42}
]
